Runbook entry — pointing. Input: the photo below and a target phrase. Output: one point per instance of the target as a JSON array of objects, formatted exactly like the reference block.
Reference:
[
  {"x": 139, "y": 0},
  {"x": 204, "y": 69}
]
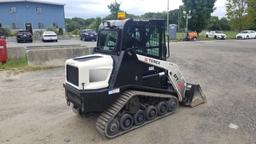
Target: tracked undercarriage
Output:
[{"x": 134, "y": 109}]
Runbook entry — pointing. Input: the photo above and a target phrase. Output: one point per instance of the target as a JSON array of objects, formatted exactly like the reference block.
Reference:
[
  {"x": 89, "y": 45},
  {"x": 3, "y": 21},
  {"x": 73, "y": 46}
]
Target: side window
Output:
[
  {"x": 153, "y": 42},
  {"x": 13, "y": 10},
  {"x": 108, "y": 40},
  {"x": 133, "y": 38},
  {"x": 39, "y": 10},
  {"x": 150, "y": 42},
  {"x": 145, "y": 40},
  {"x": 137, "y": 40}
]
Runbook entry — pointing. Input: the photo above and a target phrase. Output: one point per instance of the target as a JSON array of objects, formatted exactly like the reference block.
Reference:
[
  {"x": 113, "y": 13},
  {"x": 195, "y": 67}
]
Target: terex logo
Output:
[{"x": 154, "y": 61}]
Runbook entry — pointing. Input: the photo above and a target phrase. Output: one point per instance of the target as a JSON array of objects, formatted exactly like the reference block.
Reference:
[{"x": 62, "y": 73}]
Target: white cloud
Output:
[
  {"x": 93, "y": 8},
  {"x": 142, "y": 6},
  {"x": 220, "y": 8}
]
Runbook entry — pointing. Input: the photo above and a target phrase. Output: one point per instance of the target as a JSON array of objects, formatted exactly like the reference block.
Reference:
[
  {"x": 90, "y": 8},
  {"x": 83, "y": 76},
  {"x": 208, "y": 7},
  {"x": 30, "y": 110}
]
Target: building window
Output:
[
  {"x": 39, "y": 10},
  {"x": 40, "y": 25},
  {"x": 55, "y": 25},
  {"x": 14, "y": 26},
  {"x": 13, "y": 10}
]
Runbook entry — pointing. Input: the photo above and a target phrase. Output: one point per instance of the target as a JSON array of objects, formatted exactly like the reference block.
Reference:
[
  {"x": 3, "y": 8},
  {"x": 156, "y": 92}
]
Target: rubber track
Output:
[{"x": 105, "y": 118}]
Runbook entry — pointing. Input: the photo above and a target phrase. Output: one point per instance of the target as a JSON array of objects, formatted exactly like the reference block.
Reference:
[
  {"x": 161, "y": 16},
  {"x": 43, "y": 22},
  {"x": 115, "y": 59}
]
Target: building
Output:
[{"x": 17, "y": 14}]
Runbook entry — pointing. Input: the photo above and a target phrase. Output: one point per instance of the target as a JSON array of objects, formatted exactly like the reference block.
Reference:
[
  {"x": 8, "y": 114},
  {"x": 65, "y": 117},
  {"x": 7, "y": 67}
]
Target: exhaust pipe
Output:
[{"x": 194, "y": 96}]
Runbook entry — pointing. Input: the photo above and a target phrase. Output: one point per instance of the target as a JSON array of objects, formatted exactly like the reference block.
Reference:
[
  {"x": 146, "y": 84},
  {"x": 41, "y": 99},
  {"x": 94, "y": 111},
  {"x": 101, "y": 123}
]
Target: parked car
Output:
[
  {"x": 216, "y": 35},
  {"x": 49, "y": 36},
  {"x": 246, "y": 34},
  {"x": 191, "y": 36},
  {"x": 24, "y": 36},
  {"x": 88, "y": 35}
]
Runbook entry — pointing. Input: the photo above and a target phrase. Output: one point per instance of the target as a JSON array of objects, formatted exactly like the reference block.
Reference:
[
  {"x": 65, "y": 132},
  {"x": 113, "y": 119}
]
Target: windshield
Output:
[
  {"x": 107, "y": 40},
  {"x": 244, "y": 32}
]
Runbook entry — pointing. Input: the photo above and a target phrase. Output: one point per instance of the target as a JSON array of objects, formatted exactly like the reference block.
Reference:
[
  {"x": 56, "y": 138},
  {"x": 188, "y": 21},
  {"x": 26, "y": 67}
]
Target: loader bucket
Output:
[{"x": 194, "y": 96}]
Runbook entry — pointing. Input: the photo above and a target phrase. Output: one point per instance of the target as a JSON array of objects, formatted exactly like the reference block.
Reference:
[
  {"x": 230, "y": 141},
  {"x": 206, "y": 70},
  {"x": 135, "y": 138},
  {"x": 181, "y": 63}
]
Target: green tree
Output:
[
  {"x": 132, "y": 16},
  {"x": 224, "y": 24},
  {"x": 214, "y": 23},
  {"x": 200, "y": 11},
  {"x": 174, "y": 16},
  {"x": 153, "y": 15},
  {"x": 236, "y": 12},
  {"x": 114, "y": 8},
  {"x": 252, "y": 13},
  {"x": 98, "y": 22},
  {"x": 80, "y": 23},
  {"x": 181, "y": 19},
  {"x": 218, "y": 24}
]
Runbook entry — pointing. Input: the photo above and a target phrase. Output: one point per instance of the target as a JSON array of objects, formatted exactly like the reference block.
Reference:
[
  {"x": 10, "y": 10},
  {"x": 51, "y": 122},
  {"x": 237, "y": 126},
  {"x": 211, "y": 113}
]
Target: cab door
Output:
[{"x": 148, "y": 39}]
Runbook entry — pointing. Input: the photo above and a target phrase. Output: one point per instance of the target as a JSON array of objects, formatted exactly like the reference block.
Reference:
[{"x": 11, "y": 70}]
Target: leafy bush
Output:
[
  {"x": 75, "y": 32},
  {"x": 7, "y": 32},
  {"x": 60, "y": 32}
]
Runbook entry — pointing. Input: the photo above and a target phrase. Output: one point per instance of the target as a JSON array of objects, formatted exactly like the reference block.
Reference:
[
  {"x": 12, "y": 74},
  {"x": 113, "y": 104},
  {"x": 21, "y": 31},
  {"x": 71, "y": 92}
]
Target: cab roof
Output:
[{"x": 121, "y": 23}]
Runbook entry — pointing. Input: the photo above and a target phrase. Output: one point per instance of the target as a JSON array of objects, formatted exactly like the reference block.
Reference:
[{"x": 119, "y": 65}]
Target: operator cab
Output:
[{"x": 146, "y": 38}]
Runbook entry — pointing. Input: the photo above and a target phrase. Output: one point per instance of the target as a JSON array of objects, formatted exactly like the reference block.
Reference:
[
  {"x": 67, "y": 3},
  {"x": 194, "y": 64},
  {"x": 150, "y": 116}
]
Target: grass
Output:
[
  {"x": 231, "y": 34},
  {"x": 14, "y": 63},
  {"x": 19, "y": 65}
]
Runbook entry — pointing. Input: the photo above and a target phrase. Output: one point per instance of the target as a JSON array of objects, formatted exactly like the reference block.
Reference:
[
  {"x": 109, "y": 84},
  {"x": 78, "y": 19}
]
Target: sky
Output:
[{"x": 98, "y": 8}]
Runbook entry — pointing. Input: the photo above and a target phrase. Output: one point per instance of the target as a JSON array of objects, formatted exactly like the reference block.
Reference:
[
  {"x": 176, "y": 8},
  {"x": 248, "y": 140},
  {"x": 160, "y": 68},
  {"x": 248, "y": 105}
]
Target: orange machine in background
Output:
[{"x": 191, "y": 36}]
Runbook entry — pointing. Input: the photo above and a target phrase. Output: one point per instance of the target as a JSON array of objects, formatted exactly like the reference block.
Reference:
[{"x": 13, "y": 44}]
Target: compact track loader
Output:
[{"x": 127, "y": 79}]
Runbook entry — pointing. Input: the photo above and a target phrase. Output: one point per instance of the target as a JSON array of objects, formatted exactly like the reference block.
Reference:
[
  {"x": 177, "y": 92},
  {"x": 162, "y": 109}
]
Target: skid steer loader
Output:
[{"x": 127, "y": 79}]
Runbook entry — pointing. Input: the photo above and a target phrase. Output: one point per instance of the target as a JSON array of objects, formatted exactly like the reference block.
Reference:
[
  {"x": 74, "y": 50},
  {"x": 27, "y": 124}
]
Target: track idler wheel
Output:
[
  {"x": 126, "y": 122},
  {"x": 139, "y": 117},
  {"x": 151, "y": 112},
  {"x": 113, "y": 127},
  {"x": 162, "y": 108},
  {"x": 172, "y": 105}
]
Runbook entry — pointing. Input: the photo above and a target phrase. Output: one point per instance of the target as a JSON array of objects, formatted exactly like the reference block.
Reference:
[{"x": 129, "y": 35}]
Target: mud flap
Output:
[{"x": 194, "y": 96}]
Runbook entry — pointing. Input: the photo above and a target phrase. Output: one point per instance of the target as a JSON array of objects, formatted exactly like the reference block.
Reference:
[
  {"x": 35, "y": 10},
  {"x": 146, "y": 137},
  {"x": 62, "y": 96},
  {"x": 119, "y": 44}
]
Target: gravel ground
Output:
[{"x": 33, "y": 109}]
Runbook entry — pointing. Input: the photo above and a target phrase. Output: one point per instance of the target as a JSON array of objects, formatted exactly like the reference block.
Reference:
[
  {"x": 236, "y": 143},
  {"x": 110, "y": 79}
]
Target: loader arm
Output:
[
  {"x": 189, "y": 94},
  {"x": 175, "y": 77}
]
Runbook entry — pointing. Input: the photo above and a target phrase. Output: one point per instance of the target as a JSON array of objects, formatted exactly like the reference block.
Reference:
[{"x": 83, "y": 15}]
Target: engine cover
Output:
[{"x": 89, "y": 72}]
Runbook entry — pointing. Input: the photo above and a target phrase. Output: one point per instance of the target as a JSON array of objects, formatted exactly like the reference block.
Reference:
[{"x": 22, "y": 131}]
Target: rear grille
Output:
[{"x": 72, "y": 74}]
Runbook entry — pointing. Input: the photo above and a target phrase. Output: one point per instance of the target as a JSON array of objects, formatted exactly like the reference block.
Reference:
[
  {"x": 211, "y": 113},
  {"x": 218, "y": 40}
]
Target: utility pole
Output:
[
  {"x": 186, "y": 22},
  {"x": 168, "y": 36},
  {"x": 167, "y": 27},
  {"x": 187, "y": 16}
]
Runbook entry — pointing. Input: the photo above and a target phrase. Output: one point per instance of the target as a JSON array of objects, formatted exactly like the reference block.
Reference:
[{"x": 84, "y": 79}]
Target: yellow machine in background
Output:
[{"x": 121, "y": 15}]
